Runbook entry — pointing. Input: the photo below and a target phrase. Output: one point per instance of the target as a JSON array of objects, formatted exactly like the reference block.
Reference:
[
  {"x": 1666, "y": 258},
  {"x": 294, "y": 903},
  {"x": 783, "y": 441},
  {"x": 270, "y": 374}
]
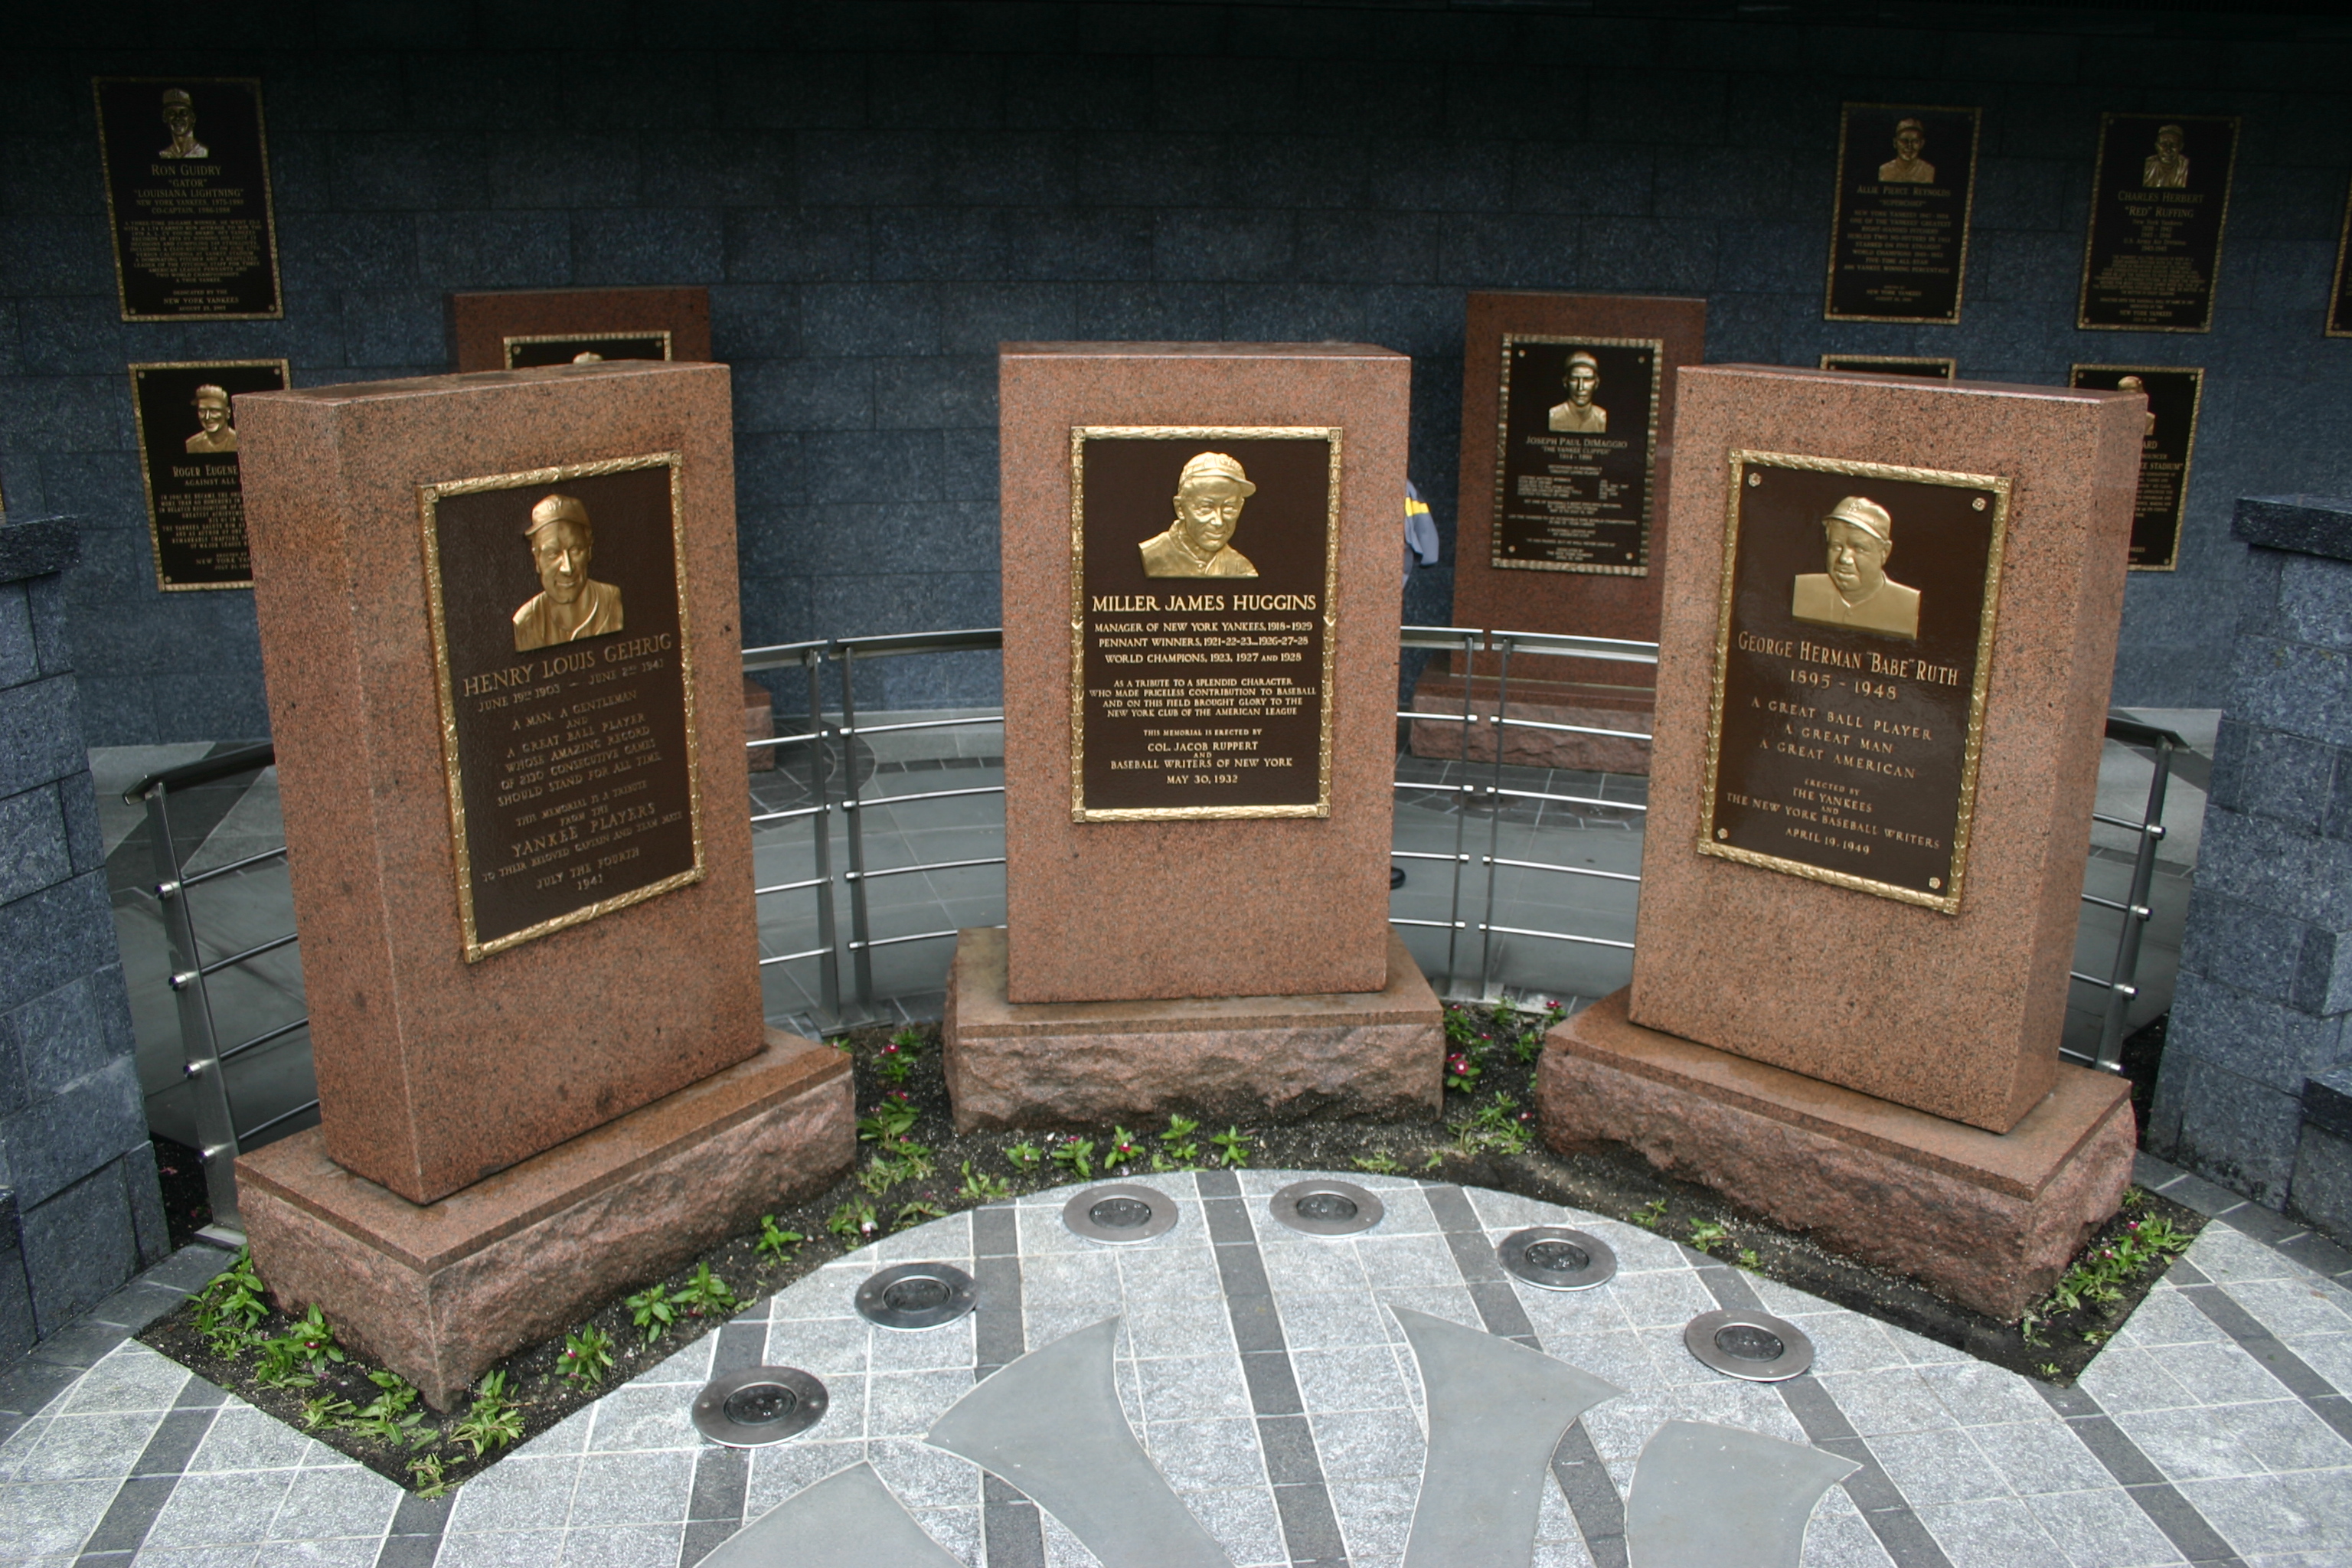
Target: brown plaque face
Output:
[
  {"x": 187, "y": 459},
  {"x": 2167, "y": 445},
  {"x": 1899, "y": 231},
  {"x": 1894, "y": 365},
  {"x": 2158, "y": 204},
  {"x": 530, "y": 353},
  {"x": 1576, "y": 453},
  {"x": 567, "y": 700},
  {"x": 1203, "y": 562},
  {"x": 187, "y": 191},
  {"x": 1850, "y": 670}
]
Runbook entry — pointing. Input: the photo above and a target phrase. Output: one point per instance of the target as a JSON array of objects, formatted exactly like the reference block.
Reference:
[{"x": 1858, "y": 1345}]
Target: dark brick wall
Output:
[{"x": 878, "y": 193}]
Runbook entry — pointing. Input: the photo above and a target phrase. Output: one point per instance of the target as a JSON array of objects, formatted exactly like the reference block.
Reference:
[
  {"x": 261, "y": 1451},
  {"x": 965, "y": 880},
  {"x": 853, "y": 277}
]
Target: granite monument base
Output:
[
  {"x": 1989, "y": 1220},
  {"x": 1049, "y": 1064},
  {"x": 1543, "y": 702},
  {"x": 440, "y": 1291}
]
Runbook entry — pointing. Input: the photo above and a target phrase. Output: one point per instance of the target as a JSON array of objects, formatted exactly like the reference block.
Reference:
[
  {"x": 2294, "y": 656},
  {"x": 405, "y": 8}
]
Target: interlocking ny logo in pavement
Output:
[{"x": 1051, "y": 1425}]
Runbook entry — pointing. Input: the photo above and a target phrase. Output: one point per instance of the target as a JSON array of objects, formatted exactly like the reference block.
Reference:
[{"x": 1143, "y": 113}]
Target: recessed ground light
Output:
[
  {"x": 1119, "y": 1212},
  {"x": 1755, "y": 1346},
  {"x": 1554, "y": 1258},
  {"x": 1320, "y": 1206},
  {"x": 761, "y": 1405},
  {"x": 916, "y": 1296}
]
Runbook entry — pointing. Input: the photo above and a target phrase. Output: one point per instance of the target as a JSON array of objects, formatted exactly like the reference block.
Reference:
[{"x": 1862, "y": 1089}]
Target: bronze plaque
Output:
[
  {"x": 187, "y": 461},
  {"x": 530, "y": 352},
  {"x": 187, "y": 197},
  {"x": 1203, "y": 564},
  {"x": 2158, "y": 202},
  {"x": 560, "y": 629},
  {"x": 1899, "y": 228},
  {"x": 1576, "y": 454},
  {"x": 2339, "y": 298},
  {"x": 2166, "y": 444},
  {"x": 1848, "y": 704},
  {"x": 1895, "y": 364}
]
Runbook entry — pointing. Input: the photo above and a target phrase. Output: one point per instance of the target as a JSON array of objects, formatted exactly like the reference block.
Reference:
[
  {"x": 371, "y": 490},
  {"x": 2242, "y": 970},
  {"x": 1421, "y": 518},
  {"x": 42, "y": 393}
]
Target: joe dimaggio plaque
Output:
[
  {"x": 567, "y": 699},
  {"x": 1852, "y": 648},
  {"x": 1203, "y": 567},
  {"x": 1576, "y": 453}
]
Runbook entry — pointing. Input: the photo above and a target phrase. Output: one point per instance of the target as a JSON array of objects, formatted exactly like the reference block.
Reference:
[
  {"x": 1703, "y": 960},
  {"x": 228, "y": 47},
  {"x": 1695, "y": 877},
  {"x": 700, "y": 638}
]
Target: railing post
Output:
[
  {"x": 1461, "y": 813},
  {"x": 2121, "y": 977},
  {"x": 199, "y": 1050},
  {"x": 828, "y": 967},
  {"x": 861, "y": 957},
  {"x": 1495, "y": 821}
]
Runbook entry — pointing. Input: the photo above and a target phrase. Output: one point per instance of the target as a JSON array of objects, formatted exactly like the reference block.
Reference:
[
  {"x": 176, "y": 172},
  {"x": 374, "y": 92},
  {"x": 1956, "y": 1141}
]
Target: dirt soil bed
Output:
[{"x": 913, "y": 1167}]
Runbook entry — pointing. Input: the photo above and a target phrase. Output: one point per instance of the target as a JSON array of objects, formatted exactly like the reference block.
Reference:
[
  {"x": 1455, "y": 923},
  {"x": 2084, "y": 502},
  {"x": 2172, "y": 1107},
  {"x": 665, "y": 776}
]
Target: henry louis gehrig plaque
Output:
[
  {"x": 2159, "y": 205},
  {"x": 1850, "y": 666},
  {"x": 1576, "y": 454},
  {"x": 187, "y": 193},
  {"x": 567, "y": 699},
  {"x": 187, "y": 459},
  {"x": 1899, "y": 230},
  {"x": 1203, "y": 568}
]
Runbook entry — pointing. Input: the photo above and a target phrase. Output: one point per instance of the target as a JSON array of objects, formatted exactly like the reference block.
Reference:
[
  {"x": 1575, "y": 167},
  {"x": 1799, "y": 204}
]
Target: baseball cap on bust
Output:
[
  {"x": 1215, "y": 465},
  {"x": 1862, "y": 514},
  {"x": 552, "y": 509}
]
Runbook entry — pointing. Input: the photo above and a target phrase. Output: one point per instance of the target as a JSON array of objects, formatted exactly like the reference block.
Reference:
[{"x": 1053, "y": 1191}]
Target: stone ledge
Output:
[
  {"x": 1372, "y": 1053},
  {"x": 35, "y": 546},
  {"x": 2308, "y": 525},
  {"x": 1990, "y": 1220},
  {"x": 1438, "y": 737}
]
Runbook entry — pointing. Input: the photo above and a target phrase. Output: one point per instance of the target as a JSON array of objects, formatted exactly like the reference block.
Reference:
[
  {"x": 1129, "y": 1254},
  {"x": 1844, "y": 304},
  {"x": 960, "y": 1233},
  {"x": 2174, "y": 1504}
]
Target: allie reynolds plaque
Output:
[
  {"x": 567, "y": 701},
  {"x": 1899, "y": 230},
  {"x": 1576, "y": 449},
  {"x": 1852, "y": 654},
  {"x": 2167, "y": 443},
  {"x": 1203, "y": 564},
  {"x": 2158, "y": 202},
  {"x": 188, "y": 462},
  {"x": 187, "y": 197}
]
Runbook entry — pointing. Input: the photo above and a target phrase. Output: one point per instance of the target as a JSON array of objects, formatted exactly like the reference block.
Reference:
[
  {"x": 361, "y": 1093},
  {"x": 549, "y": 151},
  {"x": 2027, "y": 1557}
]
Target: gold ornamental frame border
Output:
[
  {"x": 268, "y": 195},
  {"x": 146, "y": 476},
  {"x": 2196, "y": 374},
  {"x": 1951, "y": 366},
  {"x": 1967, "y": 214},
  {"x": 1079, "y": 435},
  {"x": 509, "y": 343},
  {"x": 2237, "y": 125},
  {"x": 1657, "y": 347},
  {"x": 428, "y": 498},
  {"x": 1949, "y": 902}
]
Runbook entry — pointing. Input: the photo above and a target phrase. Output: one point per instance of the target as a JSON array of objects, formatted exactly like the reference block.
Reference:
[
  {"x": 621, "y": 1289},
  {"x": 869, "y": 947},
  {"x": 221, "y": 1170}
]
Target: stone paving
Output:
[{"x": 2213, "y": 1430}]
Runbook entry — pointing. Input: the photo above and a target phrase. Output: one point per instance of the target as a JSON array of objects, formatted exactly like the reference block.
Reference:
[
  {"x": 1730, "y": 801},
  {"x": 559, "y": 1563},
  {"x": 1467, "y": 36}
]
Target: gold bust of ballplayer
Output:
[
  {"x": 180, "y": 120},
  {"x": 1856, "y": 591},
  {"x": 214, "y": 433},
  {"x": 1209, "y": 497},
  {"x": 2167, "y": 168},
  {"x": 2134, "y": 384},
  {"x": 1906, "y": 168},
  {"x": 1580, "y": 415},
  {"x": 570, "y": 604}
]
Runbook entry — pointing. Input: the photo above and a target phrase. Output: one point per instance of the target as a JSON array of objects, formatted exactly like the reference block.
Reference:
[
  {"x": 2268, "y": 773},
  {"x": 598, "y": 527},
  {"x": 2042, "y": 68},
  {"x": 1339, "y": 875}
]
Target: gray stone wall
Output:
[
  {"x": 2259, "y": 1019},
  {"x": 877, "y": 193},
  {"x": 80, "y": 1212}
]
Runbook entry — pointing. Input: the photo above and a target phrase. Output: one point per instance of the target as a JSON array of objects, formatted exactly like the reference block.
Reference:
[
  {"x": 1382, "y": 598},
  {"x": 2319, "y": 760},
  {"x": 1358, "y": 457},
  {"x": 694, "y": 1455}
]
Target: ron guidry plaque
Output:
[
  {"x": 187, "y": 197},
  {"x": 1852, "y": 646},
  {"x": 560, "y": 633}
]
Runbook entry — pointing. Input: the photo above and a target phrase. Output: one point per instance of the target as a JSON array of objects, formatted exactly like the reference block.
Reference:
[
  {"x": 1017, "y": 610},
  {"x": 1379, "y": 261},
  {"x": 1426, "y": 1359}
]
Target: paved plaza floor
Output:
[{"x": 1268, "y": 1375}]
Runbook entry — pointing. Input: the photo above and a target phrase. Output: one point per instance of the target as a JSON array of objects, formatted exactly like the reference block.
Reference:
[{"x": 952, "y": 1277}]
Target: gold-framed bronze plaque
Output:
[
  {"x": 187, "y": 162},
  {"x": 2339, "y": 296},
  {"x": 2159, "y": 202},
  {"x": 1203, "y": 562},
  {"x": 2167, "y": 443},
  {"x": 532, "y": 350},
  {"x": 1926, "y": 368},
  {"x": 560, "y": 630},
  {"x": 1576, "y": 454},
  {"x": 1848, "y": 704},
  {"x": 1899, "y": 226},
  {"x": 188, "y": 466}
]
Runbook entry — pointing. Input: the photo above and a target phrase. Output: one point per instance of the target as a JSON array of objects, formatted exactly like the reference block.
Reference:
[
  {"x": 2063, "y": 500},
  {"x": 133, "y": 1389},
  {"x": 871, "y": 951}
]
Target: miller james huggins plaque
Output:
[
  {"x": 1852, "y": 653},
  {"x": 2167, "y": 441},
  {"x": 1899, "y": 226},
  {"x": 1927, "y": 369},
  {"x": 530, "y": 350},
  {"x": 1202, "y": 563},
  {"x": 560, "y": 632},
  {"x": 2160, "y": 201},
  {"x": 186, "y": 165},
  {"x": 188, "y": 464},
  {"x": 1575, "y": 445}
]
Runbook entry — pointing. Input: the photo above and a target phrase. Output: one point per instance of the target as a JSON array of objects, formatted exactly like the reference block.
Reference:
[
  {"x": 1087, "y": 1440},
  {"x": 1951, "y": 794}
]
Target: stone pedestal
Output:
[
  {"x": 1598, "y": 704},
  {"x": 1085, "y": 1064},
  {"x": 1990, "y": 1220},
  {"x": 440, "y": 1291}
]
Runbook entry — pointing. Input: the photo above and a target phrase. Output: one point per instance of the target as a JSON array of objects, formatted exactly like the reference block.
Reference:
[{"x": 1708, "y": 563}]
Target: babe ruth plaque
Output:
[
  {"x": 567, "y": 697},
  {"x": 1576, "y": 452},
  {"x": 1852, "y": 647},
  {"x": 1203, "y": 564}
]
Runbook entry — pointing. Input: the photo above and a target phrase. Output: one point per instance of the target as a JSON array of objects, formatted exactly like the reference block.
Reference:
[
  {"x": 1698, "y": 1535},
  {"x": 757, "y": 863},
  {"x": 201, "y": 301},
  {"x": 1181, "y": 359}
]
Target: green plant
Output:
[
  {"x": 1078, "y": 1157},
  {"x": 1122, "y": 1148},
  {"x": 1747, "y": 1259},
  {"x": 1492, "y": 1129},
  {"x": 1178, "y": 1147},
  {"x": 1025, "y": 1156},
  {"x": 324, "y": 1407},
  {"x": 495, "y": 1420},
  {"x": 392, "y": 1416},
  {"x": 1233, "y": 1148},
  {"x": 1463, "y": 1071},
  {"x": 653, "y": 1310},
  {"x": 2101, "y": 1274},
  {"x": 891, "y": 1121},
  {"x": 775, "y": 1245},
  {"x": 1527, "y": 1043},
  {"x": 895, "y": 1062},
  {"x": 430, "y": 1483},
  {"x": 1379, "y": 1164},
  {"x": 299, "y": 1357},
  {"x": 587, "y": 1354},
  {"x": 1462, "y": 1029},
  {"x": 2134, "y": 1197},
  {"x": 705, "y": 1295},
  {"x": 1651, "y": 1214},
  {"x": 231, "y": 1308},
  {"x": 1705, "y": 1233},
  {"x": 2048, "y": 1369},
  {"x": 981, "y": 1188},
  {"x": 914, "y": 1212},
  {"x": 1436, "y": 1158},
  {"x": 2029, "y": 1329},
  {"x": 2094, "y": 1337},
  {"x": 854, "y": 1222}
]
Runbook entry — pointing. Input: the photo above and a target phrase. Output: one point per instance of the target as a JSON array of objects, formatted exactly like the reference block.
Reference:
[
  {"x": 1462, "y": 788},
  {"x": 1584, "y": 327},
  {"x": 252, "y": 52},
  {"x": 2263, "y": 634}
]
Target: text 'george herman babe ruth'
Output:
[
  {"x": 570, "y": 605},
  {"x": 1856, "y": 591},
  {"x": 1209, "y": 496}
]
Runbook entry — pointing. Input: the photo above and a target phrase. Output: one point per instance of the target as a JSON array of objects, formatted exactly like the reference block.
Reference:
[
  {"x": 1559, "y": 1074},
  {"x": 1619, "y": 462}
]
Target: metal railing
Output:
[{"x": 827, "y": 743}]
